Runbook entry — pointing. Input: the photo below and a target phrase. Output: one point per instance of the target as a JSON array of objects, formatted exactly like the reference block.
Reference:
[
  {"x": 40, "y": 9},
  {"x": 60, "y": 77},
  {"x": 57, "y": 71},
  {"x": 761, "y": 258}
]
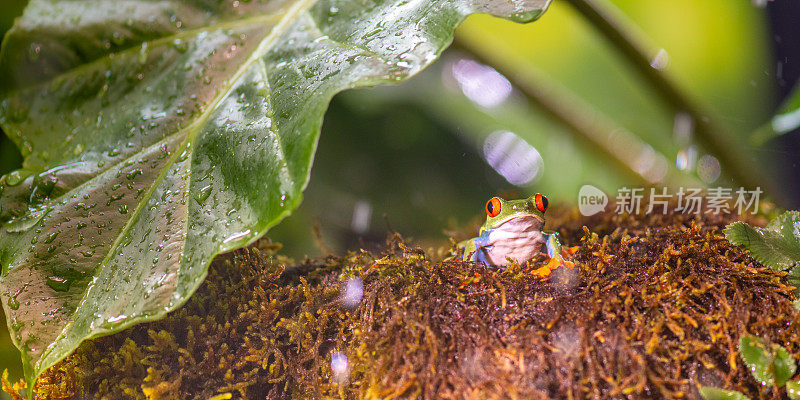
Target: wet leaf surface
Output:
[
  {"x": 777, "y": 245},
  {"x": 793, "y": 390},
  {"x": 157, "y": 135},
  {"x": 770, "y": 364},
  {"x": 712, "y": 393}
]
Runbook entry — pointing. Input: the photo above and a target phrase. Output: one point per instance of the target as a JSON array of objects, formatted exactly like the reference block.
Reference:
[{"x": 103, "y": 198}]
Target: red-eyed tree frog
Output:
[{"x": 513, "y": 232}]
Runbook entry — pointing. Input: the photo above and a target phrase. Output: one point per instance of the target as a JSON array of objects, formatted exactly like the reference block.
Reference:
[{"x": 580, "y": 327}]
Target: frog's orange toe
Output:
[
  {"x": 554, "y": 263},
  {"x": 542, "y": 272},
  {"x": 569, "y": 251}
]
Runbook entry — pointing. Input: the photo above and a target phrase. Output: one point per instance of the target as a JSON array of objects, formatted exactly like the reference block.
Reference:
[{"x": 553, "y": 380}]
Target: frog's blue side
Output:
[
  {"x": 552, "y": 244},
  {"x": 481, "y": 242}
]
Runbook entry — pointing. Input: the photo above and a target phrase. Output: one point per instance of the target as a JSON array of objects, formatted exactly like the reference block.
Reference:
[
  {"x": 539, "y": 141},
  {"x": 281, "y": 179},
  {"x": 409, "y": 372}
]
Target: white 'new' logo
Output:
[{"x": 591, "y": 200}]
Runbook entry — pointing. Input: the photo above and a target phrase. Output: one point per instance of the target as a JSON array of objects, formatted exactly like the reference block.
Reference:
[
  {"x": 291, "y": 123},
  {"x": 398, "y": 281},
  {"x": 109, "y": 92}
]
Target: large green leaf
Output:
[
  {"x": 158, "y": 134},
  {"x": 776, "y": 246}
]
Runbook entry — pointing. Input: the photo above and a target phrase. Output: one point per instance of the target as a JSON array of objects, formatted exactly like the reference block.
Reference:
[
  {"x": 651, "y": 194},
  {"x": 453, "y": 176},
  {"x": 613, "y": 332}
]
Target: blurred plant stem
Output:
[
  {"x": 614, "y": 26},
  {"x": 590, "y": 127}
]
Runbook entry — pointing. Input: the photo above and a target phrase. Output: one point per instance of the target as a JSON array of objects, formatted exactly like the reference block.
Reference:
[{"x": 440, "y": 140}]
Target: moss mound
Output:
[{"x": 653, "y": 308}]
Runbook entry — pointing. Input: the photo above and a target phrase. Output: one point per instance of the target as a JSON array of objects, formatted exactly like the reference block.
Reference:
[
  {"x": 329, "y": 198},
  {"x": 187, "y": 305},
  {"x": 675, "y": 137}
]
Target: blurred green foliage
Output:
[{"x": 717, "y": 49}]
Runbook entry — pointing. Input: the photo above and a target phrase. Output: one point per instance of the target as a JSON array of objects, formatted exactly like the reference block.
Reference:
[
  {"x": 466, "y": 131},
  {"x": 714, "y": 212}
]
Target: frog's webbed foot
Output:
[
  {"x": 475, "y": 249},
  {"x": 542, "y": 272},
  {"x": 458, "y": 252},
  {"x": 570, "y": 251},
  {"x": 474, "y": 254},
  {"x": 558, "y": 256},
  {"x": 555, "y": 262}
]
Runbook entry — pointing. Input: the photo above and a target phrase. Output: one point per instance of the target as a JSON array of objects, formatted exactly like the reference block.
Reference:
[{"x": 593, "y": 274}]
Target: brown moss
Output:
[{"x": 653, "y": 309}]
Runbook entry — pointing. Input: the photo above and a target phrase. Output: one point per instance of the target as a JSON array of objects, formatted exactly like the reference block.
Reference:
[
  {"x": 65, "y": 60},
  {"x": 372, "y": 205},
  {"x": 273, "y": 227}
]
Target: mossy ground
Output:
[{"x": 654, "y": 307}]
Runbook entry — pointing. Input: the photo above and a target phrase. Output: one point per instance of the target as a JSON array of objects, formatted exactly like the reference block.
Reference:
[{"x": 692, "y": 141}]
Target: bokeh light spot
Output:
[
  {"x": 512, "y": 157},
  {"x": 708, "y": 168},
  {"x": 481, "y": 83}
]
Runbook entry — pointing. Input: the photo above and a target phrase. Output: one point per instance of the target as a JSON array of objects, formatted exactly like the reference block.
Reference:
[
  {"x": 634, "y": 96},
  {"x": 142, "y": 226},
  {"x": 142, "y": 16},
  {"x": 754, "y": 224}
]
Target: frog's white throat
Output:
[{"x": 518, "y": 238}]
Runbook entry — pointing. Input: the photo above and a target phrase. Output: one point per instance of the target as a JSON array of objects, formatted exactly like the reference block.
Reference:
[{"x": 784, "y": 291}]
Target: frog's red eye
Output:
[
  {"x": 493, "y": 207},
  {"x": 541, "y": 202}
]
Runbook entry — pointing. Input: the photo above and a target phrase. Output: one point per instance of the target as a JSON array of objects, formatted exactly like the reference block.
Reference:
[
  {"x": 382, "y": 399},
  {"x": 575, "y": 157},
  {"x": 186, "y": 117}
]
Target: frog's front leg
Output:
[
  {"x": 468, "y": 248},
  {"x": 475, "y": 248},
  {"x": 553, "y": 245},
  {"x": 555, "y": 252}
]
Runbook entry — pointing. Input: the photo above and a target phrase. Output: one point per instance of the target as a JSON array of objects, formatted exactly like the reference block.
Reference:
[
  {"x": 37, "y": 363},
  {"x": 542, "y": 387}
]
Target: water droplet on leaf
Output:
[
  {"x": 143, "y": 53},
  {"x": 13, "y": 303},
  {"x": 15, "y": 177},
  {"x": 33, "y": 51},
  {"x": 203, "y": 194},
  {"x": 58, "y": 283}
]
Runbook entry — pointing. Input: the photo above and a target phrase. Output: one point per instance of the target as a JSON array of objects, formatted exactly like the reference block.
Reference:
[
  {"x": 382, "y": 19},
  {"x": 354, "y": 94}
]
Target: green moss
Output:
[{"x": 654, "y": 308}]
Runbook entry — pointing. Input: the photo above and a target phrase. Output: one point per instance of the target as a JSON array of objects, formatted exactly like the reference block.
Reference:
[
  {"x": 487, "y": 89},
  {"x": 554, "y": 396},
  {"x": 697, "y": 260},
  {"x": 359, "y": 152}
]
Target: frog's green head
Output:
[{"x": 500, "y": 211}]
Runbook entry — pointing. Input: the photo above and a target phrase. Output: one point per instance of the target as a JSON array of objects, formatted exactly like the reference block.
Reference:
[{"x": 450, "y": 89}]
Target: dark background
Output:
[{"x": 784, "y": 21}]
